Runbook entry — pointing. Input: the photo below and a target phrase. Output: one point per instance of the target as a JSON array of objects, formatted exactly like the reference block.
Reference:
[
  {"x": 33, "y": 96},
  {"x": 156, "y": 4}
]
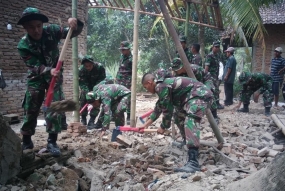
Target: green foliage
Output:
[{"x": 112, "y": 69}]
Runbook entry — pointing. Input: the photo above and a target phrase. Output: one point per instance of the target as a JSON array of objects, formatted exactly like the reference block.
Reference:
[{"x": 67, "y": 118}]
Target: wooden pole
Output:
[
  {"x": 135, "y": 61},
  {"x": 186, "y": 64},
  {"x": 187, "y": 19},
  {"x": 75, "y": 65}
]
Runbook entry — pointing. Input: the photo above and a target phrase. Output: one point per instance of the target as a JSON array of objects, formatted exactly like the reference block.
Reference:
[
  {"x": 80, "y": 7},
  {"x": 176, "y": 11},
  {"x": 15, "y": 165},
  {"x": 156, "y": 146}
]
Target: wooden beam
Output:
[
  {"x": 197, "y": 11},
  {"x": 116, "y": 3},
  {"x": 155, "y": 7},
  {"x": 122, "y": 3},
  {"x": 129, "y": 4},
  {"x": 176, "y": 8},
  {"x": 158, "y": 15},
  {"x": 213, "y": 16},
  {"x": 207, "y": 14},
  {"x": 95, "y": 2},
  {"x": 201, "y": 2},
  {"x": 110, "y": 3},
  {"x": 141, "y": 5},
  {"x": 169, "y": 8},
  {"x": 105, "y": 3}
]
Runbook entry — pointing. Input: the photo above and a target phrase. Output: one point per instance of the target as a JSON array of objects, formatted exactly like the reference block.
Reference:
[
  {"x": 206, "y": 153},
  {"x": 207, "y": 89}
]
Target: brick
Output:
[
  {"x": 256, "y": 160},
  {"x": 272, "y": 153},
  {"x": 263, "y": 152},
  {"x": 278, "y": 147},
  {"x": 124, "y": 141}
]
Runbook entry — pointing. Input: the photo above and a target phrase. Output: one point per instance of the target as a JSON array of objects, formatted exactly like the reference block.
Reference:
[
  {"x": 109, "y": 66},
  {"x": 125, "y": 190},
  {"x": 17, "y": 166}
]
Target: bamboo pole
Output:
[
  {"x": 187, "y": 19},
  {"x": 75, "y": 65},
  {"x": 134, "y": 67},
  {"x": 186, "y": 65}
]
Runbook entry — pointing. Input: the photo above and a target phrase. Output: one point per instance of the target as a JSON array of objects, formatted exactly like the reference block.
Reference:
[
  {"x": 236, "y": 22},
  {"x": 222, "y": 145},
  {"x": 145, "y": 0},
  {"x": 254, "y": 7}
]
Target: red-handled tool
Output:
[
  {"x": 50, "y": 91},
  {"x": 83, "y": 108},
  {"x": 145, "y": 115}
]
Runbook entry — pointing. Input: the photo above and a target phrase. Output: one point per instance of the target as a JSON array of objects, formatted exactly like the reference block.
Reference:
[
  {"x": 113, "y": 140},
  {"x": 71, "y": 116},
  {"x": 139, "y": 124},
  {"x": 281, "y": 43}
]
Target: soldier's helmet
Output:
[
  {"x": 125, "y": 45},
  {"x": 244, "y": 77},
  {"x": 160, "y": 74},
  {"x": 30, "y": 14},
  {"x": 182, "y": 38},
  {"x": 217, "y": 43},
  {"x": 176, "y": 64},
  {"x": 90, "y": 98},
  {"x": 87, "y": 58}
]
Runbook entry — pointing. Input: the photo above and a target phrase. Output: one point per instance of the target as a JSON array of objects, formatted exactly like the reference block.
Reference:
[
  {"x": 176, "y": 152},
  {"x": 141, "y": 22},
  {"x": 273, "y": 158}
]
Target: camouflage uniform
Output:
[
  {"x": 197, "y": 59},
  {"x": 188, "y": 96},
  {"x": 253, "y": 82},
  {"x": 88, "y": 79},
  {"x": 124, "y": 75},
  {"x": 115, "y": 101},
  {"x": 40, "y": 57},
  {"x": 187, "y": 51},
  {"x": 202, "y": 77},
  {"x": 212, "y": 60}
]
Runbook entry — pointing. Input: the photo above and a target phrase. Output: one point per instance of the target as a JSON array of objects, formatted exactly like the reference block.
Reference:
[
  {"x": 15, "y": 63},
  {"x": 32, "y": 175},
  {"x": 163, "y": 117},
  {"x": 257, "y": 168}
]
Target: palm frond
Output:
[{"x": 112, "y": 69}]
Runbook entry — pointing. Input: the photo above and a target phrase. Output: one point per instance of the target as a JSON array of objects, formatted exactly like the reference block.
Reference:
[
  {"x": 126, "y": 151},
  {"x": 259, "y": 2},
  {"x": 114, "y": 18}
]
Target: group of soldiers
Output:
[{"x": 188, "y": 97}]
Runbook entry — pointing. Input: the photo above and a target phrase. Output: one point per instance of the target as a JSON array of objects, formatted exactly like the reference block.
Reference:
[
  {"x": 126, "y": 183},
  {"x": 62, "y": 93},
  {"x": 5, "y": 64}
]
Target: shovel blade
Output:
[{"x": 115, "y": 134}]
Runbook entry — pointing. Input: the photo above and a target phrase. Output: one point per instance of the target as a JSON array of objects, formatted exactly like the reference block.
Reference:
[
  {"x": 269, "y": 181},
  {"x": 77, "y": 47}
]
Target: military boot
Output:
[
  {"x": 90, "y": 124},
  {"x": 219, "y": 106},
  {"x": 267, "y": 111},
  {"x": 192, "y": 165},
  {"x": 27, "y": 142},
  {"x": 244, "y": 109},
  {"x": 98, "y": 124},
  {"x": 83, "y": 119},
  {"x": 63, "y": 122},
  {"x": 128, "y": 118},
  {"x": 52, "y": 146},
  {"x": 179, "y": 144}
]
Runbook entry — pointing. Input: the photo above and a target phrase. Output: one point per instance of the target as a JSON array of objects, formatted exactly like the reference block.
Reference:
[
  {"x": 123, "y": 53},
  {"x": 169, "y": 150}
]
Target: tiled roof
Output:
[{"x": 274, "y": 14}]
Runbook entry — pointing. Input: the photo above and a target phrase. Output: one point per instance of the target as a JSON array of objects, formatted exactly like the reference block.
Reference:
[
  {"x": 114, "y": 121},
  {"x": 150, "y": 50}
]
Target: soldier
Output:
[
  {"x": 187, "y": 95},
  {"x": 124, "y": 75},
  {"x": 257, "y": 83},
  {"x": 90, "y": 74},
  {"x": 39, "y": 50},
  {"x": 115, "y": 100},
  {"x": 188, "y": 53},
  {"x": 201, "y": 76},
  {"x": 197, "y": 59},
  {"x": 212, "y": 65}
]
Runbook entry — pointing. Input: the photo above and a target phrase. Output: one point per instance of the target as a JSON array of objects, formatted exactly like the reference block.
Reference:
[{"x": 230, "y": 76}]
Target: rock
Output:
[
  {"x": 263, "y": 152},
  {"x": 138, "y": 187},
  {"x": 59, "y": 175},
  {"x": 78, "y": 154},
  {"x": 51, "y": 180},
  {"x": 71, "y": 179},
  {"x": 252, "y": 150},
  {"x": 207, "y": 136},
  {"x": 196, "y": 178},
  {"x": 141, "y": 149},
  {"x": 159, "y": 136},
  {"x": 157, "y": 175},
  {"x": 268, "y": 136},
  {"x": 83, "y": 185},
  {"x": 55, "y": 167},
  {"x": 272, "y": 153},
  {"x": 35, "y": 177},
  {"x": 256, "y": 160},
  {"x": 278, "y": 147},
  {"x": 10, "y": 152}
]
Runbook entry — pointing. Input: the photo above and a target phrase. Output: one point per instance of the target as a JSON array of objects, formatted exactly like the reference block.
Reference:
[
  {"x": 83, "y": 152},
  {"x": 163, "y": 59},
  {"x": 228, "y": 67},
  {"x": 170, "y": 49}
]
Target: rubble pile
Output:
[{"x": 146, "y": 161}]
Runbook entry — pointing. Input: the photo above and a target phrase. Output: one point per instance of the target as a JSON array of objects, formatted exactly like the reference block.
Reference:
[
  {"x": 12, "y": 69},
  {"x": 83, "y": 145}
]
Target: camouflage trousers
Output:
[
  {"x": 118, "y": 108},
  {"x": 124, "y": 80},
  {"x": 216, "y": 91},
  {"x": 266, "y": 92},
  {"x": 34, "y": 97},
  {"x": 211, "y": 86},
  {"x": 82, "y": 99},
  {"x": 188, "y": 120}
]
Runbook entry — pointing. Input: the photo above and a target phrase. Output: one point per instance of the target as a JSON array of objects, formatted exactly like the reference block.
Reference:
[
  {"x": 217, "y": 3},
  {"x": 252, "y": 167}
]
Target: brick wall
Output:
[
  {"x": 14, "y": 69},
  {"x": 275, "y": 38}
]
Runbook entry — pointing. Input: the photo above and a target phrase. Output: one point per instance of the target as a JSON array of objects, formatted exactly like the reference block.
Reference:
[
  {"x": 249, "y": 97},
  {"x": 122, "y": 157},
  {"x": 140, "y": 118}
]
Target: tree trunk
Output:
[
  {"x": 266, "y": 179},
  {"x": 201, "y": 39}
]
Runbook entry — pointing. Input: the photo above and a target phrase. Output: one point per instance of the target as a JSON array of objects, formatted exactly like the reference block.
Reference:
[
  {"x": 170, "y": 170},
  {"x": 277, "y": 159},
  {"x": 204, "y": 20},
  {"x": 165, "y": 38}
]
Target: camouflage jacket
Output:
[
  {"x": 258, "y": 81},
  {"x": 188, "y": 53},
  {"x": 197, "y": 59},
  {"x": 109, "y": 95},
  {"x": 88, "y": 79},
  {"x": 126, "y": 65},
  {"x": 41, "y": 56},
  {"x": 175, "y": 92},
  {"x": 212, "y": 60}
]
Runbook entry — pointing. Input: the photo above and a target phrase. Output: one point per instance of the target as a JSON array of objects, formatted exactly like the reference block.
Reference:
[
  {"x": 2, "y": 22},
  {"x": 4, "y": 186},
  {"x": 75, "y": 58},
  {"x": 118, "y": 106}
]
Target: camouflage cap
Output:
[
  {"x": 87, "y": 58},
  {"x": 176, "y": 64},
  {"x": 30, "y": 14},
  {"x": 125, "y": 45},
  {"x": 244, "y": 77},
  {"x": 182, "y": 38},
  {"x": 216, "y": 43},
  {"x": 91, "y": 97}
]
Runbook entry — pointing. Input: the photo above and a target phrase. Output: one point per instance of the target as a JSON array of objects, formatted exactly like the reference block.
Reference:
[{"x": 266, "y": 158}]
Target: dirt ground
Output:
[{"x": 148, "y": 164}]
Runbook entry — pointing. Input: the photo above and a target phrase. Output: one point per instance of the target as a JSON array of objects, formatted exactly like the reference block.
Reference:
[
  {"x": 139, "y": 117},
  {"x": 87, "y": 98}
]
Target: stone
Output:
[
  {"x": 55, "y": 167},
  {"x": 268, "y": 136},
  {"x": 252, "y": 150},
  {"x": 83, "y": 185},
  {"x": 196, "y": 178},
  {"x": 15, "y": 188},
  {"x": 157, "y": 175},
  {"x": 124, "y": 140},
  {"x": 263, "y": 152},
  {"x": 78, "y": 154},
  {"x": 272, "y": 153},
  {"x": 141, "y": 149},
  {"x": 207, "y": 136},
  {"x": 51, "y": 180},
  {"x": 10, "y": 152},
  {"x": 35, "y": 177},
  {"x": 256, "y": 160},
  {"x": 138, "y": 187},
  {"x": 278, "y": 147}
]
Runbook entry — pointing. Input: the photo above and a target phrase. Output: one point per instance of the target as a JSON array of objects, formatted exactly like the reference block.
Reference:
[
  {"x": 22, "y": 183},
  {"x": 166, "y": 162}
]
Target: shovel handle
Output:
[
  {"x": 58, "y": 67},
  {"x": 123, "y": 128},
  {"x": 84, "y": 107},
  {"x": 146, "y": 114}
]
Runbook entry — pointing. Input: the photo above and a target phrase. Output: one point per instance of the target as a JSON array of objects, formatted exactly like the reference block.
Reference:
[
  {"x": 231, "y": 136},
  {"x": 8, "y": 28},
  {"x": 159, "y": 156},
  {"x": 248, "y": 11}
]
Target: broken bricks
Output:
[{"x": 76, "y": 129}]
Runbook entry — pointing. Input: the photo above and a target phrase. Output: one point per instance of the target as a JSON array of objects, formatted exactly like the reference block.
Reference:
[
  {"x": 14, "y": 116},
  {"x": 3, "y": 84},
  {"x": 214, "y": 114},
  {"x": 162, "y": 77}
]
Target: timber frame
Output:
[{"x": 206, "y": 12}]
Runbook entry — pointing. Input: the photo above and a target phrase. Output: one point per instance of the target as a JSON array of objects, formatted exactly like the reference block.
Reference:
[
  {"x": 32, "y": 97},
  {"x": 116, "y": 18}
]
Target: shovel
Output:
[
  {"x": 145, "y": 115},
  {"x": 118, "y": 131},
  {"x": 64, "y": 105}
]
